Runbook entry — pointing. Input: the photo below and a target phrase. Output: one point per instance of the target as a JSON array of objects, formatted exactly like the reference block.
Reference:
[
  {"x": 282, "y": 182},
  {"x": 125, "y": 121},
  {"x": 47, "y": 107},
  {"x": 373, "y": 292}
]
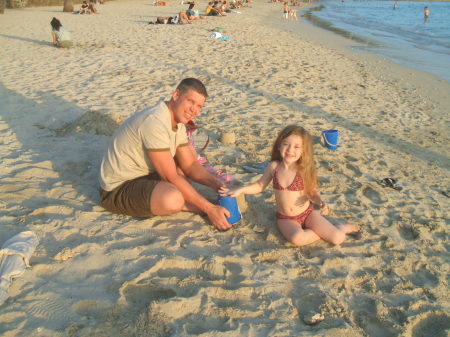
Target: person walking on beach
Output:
[
  {"x": 285, "y": 10},
  {"x": 60, "y": 36},
  {"x": 145, "y": 169},
  {"x": 295, "y": 185}
]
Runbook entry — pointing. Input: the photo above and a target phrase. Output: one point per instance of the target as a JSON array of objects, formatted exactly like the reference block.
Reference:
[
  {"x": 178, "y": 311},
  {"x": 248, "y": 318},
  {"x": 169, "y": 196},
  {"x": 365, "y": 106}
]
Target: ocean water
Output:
[{"x": 402, "y": 35}]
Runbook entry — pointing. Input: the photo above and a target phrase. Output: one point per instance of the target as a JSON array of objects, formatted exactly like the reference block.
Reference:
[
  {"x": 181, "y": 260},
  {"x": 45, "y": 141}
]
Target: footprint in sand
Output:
[
  {"x": 306, "y": 296},
  {"x": 434, "y": 324},
  {"x": 372, "y": 195},
  {"x": 200, "y": 324},
  {"x": 91, "y": 308},
  {"x": 408, "y": 232},
  {"x": 351, "y": 159},
  {"x": 423, "y": 277},
  {"x": 234, "y": 280},
  {"x": 355, "y": 170},
  {"x": 365, "y": 312},
  {"x": 142, "y": 294}
]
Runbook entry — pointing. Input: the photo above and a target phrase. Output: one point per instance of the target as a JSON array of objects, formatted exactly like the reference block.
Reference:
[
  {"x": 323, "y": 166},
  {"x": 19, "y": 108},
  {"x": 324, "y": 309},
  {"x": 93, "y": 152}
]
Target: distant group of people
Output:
[
  {"x": 88, "y": 8},
  {"x": 214, "y": 8},
  {"x": 181, "y": 18},
  {"x": 289, "y": 13}
]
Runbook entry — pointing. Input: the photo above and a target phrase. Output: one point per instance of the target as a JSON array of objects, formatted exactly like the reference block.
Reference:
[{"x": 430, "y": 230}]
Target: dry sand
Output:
[{"x": 99, "y": 274}]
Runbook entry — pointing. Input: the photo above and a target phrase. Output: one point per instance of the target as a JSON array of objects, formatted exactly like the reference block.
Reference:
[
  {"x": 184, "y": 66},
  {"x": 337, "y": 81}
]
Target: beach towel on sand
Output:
[{"x": 14, "y": 259}]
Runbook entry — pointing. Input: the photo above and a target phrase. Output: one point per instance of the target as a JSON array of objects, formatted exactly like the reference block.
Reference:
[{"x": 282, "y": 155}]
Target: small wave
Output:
[{"x": 309, "y": 15}]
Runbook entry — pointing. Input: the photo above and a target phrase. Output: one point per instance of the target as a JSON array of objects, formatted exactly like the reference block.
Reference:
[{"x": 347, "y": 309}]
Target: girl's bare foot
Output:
[{"x": 349, "y": 228}]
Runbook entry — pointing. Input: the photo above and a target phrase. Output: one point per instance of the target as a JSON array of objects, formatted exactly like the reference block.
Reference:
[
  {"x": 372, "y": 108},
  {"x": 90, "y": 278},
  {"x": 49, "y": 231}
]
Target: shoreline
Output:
[
  {"x": 434, "y": 87},
  {"x": 97, "y": 273},
  {"x": 367, "y": 44}
]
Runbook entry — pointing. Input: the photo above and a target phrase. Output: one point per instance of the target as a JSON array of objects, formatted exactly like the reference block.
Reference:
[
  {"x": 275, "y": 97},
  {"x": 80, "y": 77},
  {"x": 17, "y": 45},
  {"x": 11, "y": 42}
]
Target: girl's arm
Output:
[
  {"x": 316, "y": 198},
  {"x": 54, "y": 38},
  {"x": 254, "y": 188}
]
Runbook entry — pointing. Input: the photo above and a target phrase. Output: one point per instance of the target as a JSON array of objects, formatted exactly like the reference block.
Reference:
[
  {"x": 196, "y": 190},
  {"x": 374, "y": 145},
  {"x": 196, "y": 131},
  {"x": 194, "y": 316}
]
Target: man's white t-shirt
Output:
[{"x": 127, "y": 158}]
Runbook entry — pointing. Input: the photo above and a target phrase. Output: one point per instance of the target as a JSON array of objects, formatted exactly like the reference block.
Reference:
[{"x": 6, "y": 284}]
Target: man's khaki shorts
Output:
[{"x": 132, "y": 197}]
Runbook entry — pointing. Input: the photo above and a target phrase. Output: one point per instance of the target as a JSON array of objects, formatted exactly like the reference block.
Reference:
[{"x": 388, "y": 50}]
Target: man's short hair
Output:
[{"x": 192, "y": 84}]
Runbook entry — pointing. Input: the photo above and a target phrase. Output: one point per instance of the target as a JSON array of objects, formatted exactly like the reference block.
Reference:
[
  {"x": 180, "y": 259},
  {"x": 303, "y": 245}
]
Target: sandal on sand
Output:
[{"x": 390, "y": 182}]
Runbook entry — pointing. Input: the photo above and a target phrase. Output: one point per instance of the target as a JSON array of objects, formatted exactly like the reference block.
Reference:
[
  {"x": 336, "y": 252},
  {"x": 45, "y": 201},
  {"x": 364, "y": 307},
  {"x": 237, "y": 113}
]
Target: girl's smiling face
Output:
[{"x": 291, "y": 148}]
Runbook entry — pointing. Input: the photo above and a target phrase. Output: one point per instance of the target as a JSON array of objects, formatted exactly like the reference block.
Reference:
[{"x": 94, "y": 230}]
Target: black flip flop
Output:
[{"x": 390, "y": 182}]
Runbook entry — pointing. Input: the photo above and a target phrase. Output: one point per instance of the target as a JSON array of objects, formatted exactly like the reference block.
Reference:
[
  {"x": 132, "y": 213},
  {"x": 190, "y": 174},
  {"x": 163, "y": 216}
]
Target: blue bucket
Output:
[
  {"x": 230, "y": 203},
  {"x": 330, "y": 138}
]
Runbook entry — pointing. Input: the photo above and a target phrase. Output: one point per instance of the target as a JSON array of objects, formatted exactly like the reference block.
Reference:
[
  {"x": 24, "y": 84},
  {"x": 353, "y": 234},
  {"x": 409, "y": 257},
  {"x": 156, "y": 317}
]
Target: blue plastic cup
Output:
[
  {"x": 230, "y": 203},
  {"x": 330, "y": 138}
]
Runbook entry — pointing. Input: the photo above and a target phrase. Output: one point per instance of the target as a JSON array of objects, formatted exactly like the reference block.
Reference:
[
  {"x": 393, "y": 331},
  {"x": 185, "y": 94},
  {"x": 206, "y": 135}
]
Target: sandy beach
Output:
[{"x": 99, "y": 274}]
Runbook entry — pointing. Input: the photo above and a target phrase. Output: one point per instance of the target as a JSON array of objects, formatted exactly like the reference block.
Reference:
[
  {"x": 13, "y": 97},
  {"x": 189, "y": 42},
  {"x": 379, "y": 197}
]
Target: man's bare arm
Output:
[{"x": 166, "y": 168}]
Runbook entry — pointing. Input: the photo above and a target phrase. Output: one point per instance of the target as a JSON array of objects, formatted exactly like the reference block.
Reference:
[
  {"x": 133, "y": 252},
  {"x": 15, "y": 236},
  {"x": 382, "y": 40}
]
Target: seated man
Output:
[
  {"x": 144, "y": 170},
  {"x": 210, "y": 11}
]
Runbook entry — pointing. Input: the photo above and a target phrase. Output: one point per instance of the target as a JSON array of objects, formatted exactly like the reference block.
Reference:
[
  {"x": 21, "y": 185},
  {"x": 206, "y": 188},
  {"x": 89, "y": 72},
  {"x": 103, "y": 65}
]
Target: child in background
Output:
[
  {"x": 60, "y": 36},
  {"x": 292, "y": 165}
]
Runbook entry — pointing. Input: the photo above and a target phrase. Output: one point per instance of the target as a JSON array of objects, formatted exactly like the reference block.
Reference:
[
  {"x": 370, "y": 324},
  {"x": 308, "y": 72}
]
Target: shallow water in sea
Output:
[{"x": 402, "y": 35}]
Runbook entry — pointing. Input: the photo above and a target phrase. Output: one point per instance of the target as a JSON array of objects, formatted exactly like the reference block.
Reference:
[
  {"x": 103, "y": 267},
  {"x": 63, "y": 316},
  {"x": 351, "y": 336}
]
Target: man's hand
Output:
[{"x": 217, "y": 215}]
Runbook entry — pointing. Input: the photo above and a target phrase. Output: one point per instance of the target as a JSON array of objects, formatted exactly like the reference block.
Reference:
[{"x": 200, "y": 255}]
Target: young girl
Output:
[
  {"x": 295, "y": 184},
  {"x": 60, "y": 36}
]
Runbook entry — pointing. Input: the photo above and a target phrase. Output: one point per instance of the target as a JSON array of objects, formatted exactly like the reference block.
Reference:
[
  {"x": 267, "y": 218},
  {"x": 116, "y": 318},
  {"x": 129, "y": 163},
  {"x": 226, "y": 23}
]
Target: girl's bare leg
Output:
[
  {"x": 326, "y": 230},
  {"x": 294, "y": 233}
]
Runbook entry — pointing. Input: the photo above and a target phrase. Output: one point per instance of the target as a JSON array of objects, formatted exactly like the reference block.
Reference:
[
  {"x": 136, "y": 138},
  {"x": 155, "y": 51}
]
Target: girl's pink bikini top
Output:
[{"x": 296, "y": 185}]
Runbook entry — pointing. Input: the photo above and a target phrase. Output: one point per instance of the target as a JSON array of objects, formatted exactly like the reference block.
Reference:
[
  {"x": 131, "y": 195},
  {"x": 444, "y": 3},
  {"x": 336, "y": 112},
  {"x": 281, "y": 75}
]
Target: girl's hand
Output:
[
  {"x": 324, "y": 210},
  {"x": 224, "y": 191}
]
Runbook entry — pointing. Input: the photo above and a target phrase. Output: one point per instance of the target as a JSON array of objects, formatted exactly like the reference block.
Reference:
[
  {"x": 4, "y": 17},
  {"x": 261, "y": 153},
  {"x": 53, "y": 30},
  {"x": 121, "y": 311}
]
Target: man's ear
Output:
[{"x": 176, "y": 94}]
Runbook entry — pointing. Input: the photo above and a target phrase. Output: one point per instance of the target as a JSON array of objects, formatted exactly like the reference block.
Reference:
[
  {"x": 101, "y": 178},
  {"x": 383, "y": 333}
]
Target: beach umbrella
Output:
[{"x": 14, "y": 259}]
